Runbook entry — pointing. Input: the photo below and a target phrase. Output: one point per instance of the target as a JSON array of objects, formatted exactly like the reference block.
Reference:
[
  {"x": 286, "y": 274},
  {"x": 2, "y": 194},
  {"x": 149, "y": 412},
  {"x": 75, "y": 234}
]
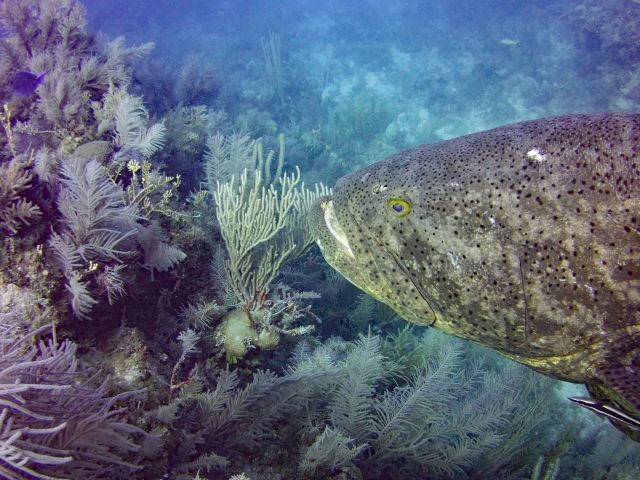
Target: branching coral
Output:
[
  {"x": 52, "y": 425},
  {"x": 250, "y": 217},
  {"x": 263, "y": 226}
]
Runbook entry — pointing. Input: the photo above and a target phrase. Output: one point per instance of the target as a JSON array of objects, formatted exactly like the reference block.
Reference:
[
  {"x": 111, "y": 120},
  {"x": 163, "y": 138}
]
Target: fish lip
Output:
[{"x": 335, "y": 229}]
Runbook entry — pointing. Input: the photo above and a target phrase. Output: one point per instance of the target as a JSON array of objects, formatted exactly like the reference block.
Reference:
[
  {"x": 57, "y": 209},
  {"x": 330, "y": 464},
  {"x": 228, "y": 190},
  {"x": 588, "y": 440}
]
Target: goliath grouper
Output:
[{"x": 525, "y": 238}]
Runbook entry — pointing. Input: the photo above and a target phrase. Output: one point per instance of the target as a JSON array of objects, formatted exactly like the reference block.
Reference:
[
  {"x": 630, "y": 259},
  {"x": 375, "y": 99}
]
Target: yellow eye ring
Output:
[{"x": 400, "y": 207}]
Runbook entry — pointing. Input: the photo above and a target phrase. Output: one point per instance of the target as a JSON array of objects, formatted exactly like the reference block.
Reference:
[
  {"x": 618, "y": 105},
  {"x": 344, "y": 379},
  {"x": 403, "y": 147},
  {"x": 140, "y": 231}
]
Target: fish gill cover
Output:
[{"x": 164, "y": 311}]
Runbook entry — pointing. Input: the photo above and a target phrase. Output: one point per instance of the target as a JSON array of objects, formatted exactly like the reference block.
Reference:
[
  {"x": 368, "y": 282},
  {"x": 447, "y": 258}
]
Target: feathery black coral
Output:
[
  {"x": 94, "y": 212},
  {"x": 440, "y": 418},
  {"x": 97, "y": 222}
]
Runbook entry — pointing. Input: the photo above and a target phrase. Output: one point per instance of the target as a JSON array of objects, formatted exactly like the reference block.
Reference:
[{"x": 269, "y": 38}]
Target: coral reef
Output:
[{"x": 162, "y": 311}]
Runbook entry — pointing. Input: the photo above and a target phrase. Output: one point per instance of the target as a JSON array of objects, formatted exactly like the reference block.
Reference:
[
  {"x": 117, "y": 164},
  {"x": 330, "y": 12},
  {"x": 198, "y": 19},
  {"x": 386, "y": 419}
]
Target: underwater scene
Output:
[{"x": 319, "y": 239}]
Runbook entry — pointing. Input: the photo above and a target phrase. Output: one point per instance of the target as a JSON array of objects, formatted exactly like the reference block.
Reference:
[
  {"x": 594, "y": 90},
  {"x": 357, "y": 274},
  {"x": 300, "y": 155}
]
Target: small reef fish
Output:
[
  {"x": 608, "y": 411},
  {"x": 524, "y": 238},
  {"x": 26, "y": 83},
  {"x": 509, "y": 42}
]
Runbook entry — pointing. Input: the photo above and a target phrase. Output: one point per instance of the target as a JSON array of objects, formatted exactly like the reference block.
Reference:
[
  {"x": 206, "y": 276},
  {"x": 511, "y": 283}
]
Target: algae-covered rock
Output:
[
  {"x": 24, "y": 303},
  {"x": 126, "y": 358}
]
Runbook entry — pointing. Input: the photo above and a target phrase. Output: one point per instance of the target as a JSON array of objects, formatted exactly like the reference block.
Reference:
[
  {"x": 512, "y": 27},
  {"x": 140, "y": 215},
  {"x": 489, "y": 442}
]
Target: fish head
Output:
[{"x": 366, "y": 230}]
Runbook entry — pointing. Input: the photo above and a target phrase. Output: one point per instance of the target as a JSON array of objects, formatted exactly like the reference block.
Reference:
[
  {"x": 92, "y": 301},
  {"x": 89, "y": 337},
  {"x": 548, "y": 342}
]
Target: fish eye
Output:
[{"x": 400, "y": 207}]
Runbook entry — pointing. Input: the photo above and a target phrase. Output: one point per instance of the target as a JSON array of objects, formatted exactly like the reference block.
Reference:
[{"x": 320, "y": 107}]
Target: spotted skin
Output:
[{"x": 525, "y": 238}]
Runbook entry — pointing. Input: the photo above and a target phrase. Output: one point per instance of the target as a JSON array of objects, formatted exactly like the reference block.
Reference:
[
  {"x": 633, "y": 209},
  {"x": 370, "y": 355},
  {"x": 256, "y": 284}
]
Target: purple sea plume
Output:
[
  {"x": 54, "y": 425},
  {"x": 25, "y": 83}
]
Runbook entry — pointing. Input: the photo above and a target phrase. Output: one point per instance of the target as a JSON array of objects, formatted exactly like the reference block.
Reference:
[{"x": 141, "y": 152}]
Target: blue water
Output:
[
  {"x": 352, "y": 83},
  {"x": 438, "y": 69}
]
